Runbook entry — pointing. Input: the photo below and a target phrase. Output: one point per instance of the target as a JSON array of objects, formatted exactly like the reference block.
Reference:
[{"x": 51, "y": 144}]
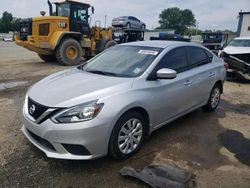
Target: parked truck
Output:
[{"x": 214, "y": 41}]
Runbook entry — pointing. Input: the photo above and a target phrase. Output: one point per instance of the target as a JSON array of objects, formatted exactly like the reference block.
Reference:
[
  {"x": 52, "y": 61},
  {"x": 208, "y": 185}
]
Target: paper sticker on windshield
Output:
[
  {"x": 137, "y": 70},
  {"x": 148, "y": 52}
]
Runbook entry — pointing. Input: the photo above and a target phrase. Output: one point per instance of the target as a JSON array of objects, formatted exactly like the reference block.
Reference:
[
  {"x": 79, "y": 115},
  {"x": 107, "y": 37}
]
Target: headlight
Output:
[
  {"x": 62, "y": 24},
  {"x": 79, "y": 113},
  {"x": 24, "y": 29}
]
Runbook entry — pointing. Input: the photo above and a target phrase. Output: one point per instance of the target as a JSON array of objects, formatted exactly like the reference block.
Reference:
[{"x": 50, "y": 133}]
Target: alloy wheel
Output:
[
  {"x": 215, "y": 97},
  {"x": 130, "y": 136}
]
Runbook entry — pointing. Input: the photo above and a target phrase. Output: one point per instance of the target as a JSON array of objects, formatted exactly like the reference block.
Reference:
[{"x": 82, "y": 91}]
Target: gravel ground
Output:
[{"x": 214, "y": 146}]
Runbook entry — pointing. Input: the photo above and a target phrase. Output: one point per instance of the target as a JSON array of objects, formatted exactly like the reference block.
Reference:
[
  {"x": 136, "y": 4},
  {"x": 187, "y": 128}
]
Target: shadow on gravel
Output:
[
  {"x": 241, "y": 108},
  {"x": 192, "y": 138},
  {"x": 236, "y": 143},
  {"x": 235, "y": 77}
]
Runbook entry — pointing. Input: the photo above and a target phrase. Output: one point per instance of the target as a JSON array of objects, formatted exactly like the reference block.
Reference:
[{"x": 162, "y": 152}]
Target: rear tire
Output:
[
  {"x": 48, "y": 58},
  {"x": 105, "y": 44},
  {"x": 69, "y": 52},
  {"x": 109, "y": 44},
  {"x": 127, "y": 135},
  {"x": 214, "y": 99}
]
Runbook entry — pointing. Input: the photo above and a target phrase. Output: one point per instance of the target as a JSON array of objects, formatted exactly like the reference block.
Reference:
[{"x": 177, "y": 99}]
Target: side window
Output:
[
  {"x": 133, "y": 18},
  {"x": 82, "y": 15},
  {"x": 75, "y": 15},
  {"x": 210, "y": 56},
  {"x": 197, "y": 57},
  {"x": 176, "y": 59},
  {"x": 136, "y": 19},
  {"x": 79, "y": 14}
]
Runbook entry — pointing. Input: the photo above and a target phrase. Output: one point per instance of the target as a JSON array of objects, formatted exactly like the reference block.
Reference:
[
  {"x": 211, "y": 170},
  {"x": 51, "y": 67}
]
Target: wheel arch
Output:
[
  {"x": 128, "y": 23},
  {"x": 220, "y": 84},
  {"x": 58, "y": 36},
  {"x": 143, "y": 112}
]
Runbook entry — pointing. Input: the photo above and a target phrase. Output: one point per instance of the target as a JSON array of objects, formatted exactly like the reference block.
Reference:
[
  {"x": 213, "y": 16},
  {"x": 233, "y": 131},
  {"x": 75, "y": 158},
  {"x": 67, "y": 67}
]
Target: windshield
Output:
[
  {"x": 122, "y": 61},
  {"x": 211, "y": 36},
  {"x": 63, "y": 10},
  {"x": 240, "y": 43}
]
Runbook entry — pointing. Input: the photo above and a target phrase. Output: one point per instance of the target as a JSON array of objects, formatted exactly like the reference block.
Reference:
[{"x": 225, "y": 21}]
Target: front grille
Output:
[
  {"x": 44, "y": 29},
  {"x": 42, "y": 141},
  {"x": 25, "y": 28},
  {"x": 35, "y": 109}
]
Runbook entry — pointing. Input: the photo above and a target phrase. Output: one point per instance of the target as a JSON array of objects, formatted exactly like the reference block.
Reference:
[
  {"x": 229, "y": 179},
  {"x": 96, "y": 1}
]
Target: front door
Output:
[{"x": 171, "y": 97}]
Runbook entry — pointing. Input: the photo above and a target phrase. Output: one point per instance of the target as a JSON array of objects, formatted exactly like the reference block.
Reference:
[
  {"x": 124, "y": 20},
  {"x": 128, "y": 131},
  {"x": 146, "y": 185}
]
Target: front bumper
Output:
[
  {"x": 92, "y": 135},
  {"x": 237, "y": 64},
  {"x": 31, "y": 44}
]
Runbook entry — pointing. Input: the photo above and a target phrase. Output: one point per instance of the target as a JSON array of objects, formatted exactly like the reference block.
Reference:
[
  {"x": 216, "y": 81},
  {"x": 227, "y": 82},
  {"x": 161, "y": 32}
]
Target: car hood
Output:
[
  {"x": 74, "y": 86},
  {"x": 237, "y": 50}
]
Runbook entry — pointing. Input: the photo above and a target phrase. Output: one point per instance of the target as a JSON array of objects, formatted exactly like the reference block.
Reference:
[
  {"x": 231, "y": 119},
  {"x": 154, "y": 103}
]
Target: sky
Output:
[{"x": 211, "y": 14}]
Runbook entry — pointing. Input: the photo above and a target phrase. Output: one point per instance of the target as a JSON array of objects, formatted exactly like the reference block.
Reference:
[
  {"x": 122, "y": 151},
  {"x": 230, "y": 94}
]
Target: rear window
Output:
[{"x": 197, "y": 57}]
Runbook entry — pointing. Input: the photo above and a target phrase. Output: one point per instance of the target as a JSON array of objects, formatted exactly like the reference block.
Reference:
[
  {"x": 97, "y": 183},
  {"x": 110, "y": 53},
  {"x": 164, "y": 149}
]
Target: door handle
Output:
[
  {"x": 188, "y": 83},
  {"x": 211, "y": 74}
]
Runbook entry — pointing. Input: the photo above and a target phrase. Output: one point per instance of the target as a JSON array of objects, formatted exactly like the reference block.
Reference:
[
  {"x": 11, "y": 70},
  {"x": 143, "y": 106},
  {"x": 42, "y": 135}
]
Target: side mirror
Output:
[
  {"x": 42, "y": 13},
  {"x": 92, "y": 10},
  {"x": 166, "y": 74}
]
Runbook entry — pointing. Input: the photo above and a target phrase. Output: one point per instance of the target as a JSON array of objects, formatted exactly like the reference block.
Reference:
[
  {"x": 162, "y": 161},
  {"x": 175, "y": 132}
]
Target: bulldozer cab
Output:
[{"x": 78, "y": 14}]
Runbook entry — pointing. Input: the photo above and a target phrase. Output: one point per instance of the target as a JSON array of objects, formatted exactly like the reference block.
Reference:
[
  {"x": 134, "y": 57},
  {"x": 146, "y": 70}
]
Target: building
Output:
[{"x": 244, "y": 24}]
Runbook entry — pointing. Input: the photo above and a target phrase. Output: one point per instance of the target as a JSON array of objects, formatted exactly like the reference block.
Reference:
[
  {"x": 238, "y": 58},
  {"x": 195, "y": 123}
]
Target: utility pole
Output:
[
  {"x": 197, "y": 26},
  {"x": 105, "y": 20}
]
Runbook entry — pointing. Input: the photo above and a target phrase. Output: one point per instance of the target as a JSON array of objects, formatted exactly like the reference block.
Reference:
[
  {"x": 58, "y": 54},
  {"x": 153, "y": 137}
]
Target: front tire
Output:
[
  {"x": 214, "y": 99},
  {"x": 128, "y": 26},
  {"x": 127, "y": 135},
  {"x": 69, "y": 52}
]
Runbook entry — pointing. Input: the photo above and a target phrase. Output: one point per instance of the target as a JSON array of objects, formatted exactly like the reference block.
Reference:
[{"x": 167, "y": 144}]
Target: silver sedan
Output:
[
  {"x": 130, "y": 22},
  {"x": 109, "y": 105}
]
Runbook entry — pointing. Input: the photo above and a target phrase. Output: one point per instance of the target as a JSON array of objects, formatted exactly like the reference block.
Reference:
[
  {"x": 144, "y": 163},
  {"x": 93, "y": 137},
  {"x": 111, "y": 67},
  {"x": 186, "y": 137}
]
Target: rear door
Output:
[
  {"x": 133, "y": 22},
  {"x": 200, "y": 63},
  {"x": 137, "y": 23}
]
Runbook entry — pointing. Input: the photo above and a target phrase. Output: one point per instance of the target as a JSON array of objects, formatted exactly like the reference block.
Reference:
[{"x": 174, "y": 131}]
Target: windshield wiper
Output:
[
  {"x": 101, "y": 72},
  {"x": 81, "y": 66}
]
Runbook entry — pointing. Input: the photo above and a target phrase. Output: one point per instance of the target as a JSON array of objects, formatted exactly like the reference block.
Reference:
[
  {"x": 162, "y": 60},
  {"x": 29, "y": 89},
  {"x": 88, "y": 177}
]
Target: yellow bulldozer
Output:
[{"x": 65, "y": 35}]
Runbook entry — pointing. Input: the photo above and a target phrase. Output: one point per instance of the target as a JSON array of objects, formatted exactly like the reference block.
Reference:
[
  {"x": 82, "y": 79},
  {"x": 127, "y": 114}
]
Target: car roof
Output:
[{"x": 160, "y": 44}]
